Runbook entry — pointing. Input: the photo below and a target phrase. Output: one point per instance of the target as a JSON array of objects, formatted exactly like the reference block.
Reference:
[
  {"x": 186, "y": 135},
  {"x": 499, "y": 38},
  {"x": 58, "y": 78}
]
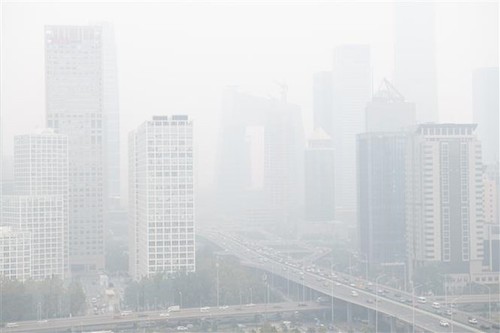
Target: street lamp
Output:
[
  {"x": 489, "y": 297},
  {"x": 413, "y": 304},
  {"x": 453, "y": 302},
  {"x": 376, "y": 301},
  {"x": 217, "y": 278}
]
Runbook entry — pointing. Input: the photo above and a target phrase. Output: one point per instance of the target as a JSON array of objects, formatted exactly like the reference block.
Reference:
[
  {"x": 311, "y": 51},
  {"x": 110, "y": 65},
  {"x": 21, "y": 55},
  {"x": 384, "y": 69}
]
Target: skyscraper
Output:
[
  {"x": 352, "y": 87},
  {"x": 388, "y": 111},
  {"x": 81, "y": 103},
  {"x": 445, "y": 218},
  {"x": 319, "y": 195},
  {"x": 414, "y": 57},
  {"x": 323, "y": 101},
  {"x": 485, "y": 109},
  {"x": 161, "y": 196},
  {"x": 259, "y": 173},
  {"x": 381, "y": 196}
]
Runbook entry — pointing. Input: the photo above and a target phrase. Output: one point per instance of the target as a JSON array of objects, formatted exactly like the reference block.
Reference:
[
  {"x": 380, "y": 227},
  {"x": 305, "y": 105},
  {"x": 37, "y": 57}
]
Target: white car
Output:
[
  {"x": 354, "y": 293},
  {"x": 444, "y": 323},
  {"x": 224, "y": 307},
  {"x": 9, "y": 325},
  {"x": 182, "y": 328},
  {"x": 473, "y": 321},
  {"x": 164, "y": 314},
  {"x": 436, "y": 305}
]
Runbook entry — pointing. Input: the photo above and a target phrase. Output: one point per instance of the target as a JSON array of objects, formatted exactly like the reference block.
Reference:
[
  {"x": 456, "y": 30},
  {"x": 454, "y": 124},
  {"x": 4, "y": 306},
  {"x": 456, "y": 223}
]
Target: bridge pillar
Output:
[
  {"x": 392, "y": 325},
  {"x": 371, "y": 318},
  {"x": 349, "y": 313}
]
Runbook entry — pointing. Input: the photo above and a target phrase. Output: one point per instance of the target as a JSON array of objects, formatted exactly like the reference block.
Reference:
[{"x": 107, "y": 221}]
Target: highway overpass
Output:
[{"x": 420, "y": 315}]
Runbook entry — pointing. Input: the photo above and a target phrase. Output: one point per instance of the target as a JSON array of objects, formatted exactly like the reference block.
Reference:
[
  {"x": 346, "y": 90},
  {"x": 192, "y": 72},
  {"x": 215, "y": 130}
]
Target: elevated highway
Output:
[{"x": 408, "y": 310}]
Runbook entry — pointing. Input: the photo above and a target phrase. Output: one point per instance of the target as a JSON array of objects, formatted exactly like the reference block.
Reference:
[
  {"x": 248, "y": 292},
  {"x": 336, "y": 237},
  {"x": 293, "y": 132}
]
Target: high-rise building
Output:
[
  {"x": 415, "y": 56},
  {"x": 485, "y": 109},
  {"x": 15, "y": 254},
  {"x": 445, "y": 218},
  {"x": 41, "y": 164},
  {"x": 81, "y": 103},
  {"x": 352, "y": 87},
  {"x": 259, "y": 173},
  {"x": 40, "y": 204},
  {"x": 44, "y": 219},
  {"x": 161, "y": 196},
  {"x": 381, "y": 196},
  {"x": 388, "y": 111},
  {"x": 323, "y": 101},
  {"x": 319, "y": 195}
]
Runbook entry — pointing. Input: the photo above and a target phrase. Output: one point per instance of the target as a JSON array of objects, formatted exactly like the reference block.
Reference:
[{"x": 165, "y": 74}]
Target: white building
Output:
[
  {"x": 41, "y": 163},
  {"x": 40, "y": 205},
  {"x": 44, "y": 219},
  {"x": 15, "y": 254},
  {"x": 162, "y": 230},
  {"x": 81, "y": 103},
  {"x": 444, "y": 212}
]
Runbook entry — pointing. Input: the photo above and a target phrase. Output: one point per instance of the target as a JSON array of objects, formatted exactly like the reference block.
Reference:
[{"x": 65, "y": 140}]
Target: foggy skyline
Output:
[{"x": 180, "y": 59}]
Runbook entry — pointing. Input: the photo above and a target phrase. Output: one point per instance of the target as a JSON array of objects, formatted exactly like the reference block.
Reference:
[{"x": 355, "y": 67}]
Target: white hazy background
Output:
[{"x": 177, "y": 58}]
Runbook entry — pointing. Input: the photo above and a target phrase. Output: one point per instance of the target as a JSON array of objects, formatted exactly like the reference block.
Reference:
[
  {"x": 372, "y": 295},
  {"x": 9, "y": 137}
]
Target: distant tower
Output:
[
  {"x": 260, "y": 160},
  {"x": 319, "y": 195},
  {"x": 323, "y": 101},
  {"x": 381, "y": 196},
  {"x": 352, "y": 87},
  {"x": 414, "y": 56},
  {"x": 389, "y": 111},
  {"x": 161, "y": 196},
  {"x": 486, "y": 108}
]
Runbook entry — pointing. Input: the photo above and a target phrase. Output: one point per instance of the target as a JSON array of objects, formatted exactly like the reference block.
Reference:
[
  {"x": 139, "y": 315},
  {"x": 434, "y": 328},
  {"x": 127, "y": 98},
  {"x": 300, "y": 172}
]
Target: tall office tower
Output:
[
  {"x": 323, "y": 101},
  {"x": 486, "y": 108},
  {"x": 389, "y": 111},
  {"x": 445, "y": 216},
  {"x": 81, "y": 103},
  {"x": 162, "y": 229},
  {"x": 43, "y": 217},
  {"x": 15, "y": 254},
  {"x": 381, "y": 196},
  {"x": 352, "y": 87},
  {"x": 414, "y": 57},
  {"x": 259, "y": 174},
  {"x": 319, "y": 195}
]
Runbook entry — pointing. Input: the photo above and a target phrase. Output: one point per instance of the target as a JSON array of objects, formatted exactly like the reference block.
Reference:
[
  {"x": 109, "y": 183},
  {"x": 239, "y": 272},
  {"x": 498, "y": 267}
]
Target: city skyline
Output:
[{"x": 183, "y": 79}]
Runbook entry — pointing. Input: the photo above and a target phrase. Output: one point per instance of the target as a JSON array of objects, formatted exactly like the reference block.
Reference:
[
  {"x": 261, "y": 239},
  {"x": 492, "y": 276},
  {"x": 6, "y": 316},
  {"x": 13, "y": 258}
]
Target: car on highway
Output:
[
  {"x": 11, "y": 325},
  {"x": 472, "y": 321},
  {"x": 444, "y": 323},
  {"x": 182, "y": 328},
  {"x": 436, "y": 305},
  {"x": 223, "y": 307},
  {"x": 164, "y": 314},
  {"x": 484, "y": 327},
  {"x": 422, "y": 299},
  {"x": 354, "y": 293}
]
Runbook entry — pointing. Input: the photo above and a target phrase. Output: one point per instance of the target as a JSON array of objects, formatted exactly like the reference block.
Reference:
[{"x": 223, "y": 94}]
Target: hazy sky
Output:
[{"x": 176, "y": 58}]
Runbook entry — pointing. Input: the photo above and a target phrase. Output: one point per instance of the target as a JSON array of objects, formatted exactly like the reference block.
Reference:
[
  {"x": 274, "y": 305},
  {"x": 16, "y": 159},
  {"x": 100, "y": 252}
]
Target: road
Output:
[
  {"x": 108, "y": 321},
  {"x": 421, "y": 315}
]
